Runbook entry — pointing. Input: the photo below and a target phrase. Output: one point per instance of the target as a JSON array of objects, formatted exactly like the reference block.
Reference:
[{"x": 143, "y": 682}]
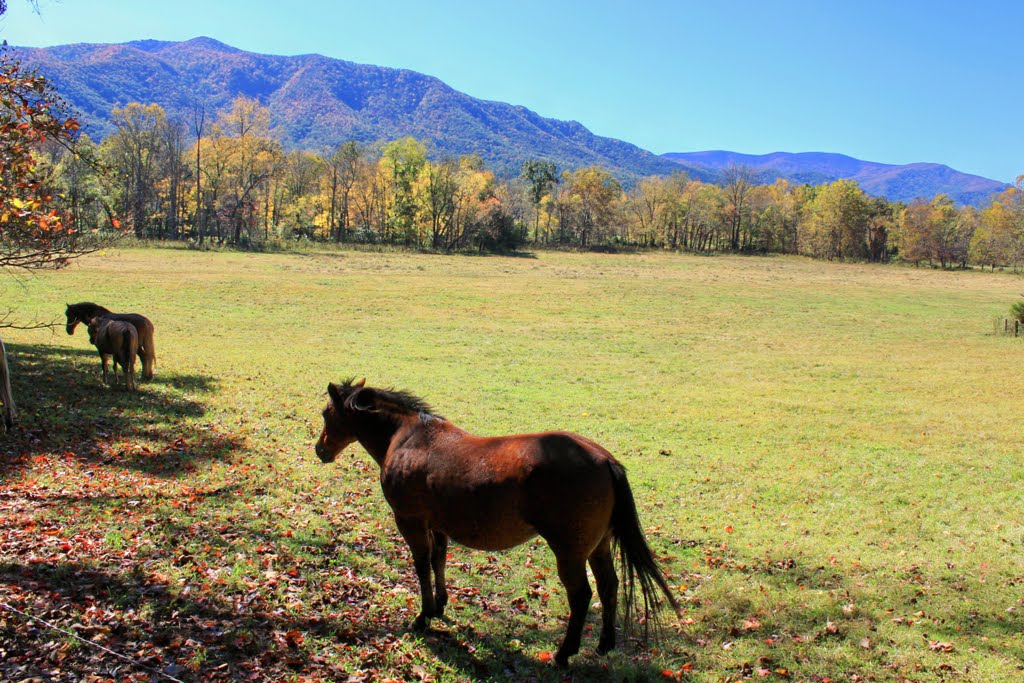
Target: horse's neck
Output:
[{"x": 380, "y": 432}]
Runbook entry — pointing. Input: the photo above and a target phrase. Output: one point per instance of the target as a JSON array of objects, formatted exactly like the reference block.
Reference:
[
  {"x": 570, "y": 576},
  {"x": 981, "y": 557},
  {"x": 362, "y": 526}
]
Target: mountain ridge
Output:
[{"x": 317, "y": 102}]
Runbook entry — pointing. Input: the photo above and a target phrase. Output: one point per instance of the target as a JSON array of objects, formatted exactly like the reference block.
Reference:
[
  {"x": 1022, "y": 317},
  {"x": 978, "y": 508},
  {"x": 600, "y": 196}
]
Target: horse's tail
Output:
[
  {"x": 147, "y": 350},
  {"x": 5, "y": 389},
  {"x": 638, "y": 566},
  {"x": 129, "y": 347}
]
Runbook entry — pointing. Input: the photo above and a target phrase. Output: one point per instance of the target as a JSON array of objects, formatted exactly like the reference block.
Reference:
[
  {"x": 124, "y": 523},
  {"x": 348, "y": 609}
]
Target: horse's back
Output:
[
  {"x": 117, "y": 335},
  {"x": 142, "y": 324}
]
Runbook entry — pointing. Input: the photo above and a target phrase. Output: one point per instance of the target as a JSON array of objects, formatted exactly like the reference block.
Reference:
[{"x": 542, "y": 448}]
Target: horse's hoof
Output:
[
  {"x": 420, "y": 624},
  {"x": 562, "y": 660}
]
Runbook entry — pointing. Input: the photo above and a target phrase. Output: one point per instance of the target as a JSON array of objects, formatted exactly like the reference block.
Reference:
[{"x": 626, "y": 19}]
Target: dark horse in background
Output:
[
  {"x": 493, "y": 493},
  {"x": 85, "y": 312},
  {"x": 117, "y": 339}
]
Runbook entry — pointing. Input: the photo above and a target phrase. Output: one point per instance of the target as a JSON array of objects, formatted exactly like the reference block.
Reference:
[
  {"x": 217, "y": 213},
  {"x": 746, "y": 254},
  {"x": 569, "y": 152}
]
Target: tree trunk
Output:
[{"x": 5, "y": 390}]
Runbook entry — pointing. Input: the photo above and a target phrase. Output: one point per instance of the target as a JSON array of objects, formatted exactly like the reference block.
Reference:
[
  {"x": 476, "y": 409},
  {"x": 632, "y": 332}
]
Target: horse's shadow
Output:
[
  {"x": 63, "y": 407},
  {"x": 492, "y": 657}
]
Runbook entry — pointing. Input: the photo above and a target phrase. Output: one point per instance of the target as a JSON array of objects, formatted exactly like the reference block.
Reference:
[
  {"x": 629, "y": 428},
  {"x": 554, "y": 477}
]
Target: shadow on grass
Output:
[
  {"x": 64, "y": 408},
  {"x": 233, "y": 633},
  {"x": 194, "y": 637}
]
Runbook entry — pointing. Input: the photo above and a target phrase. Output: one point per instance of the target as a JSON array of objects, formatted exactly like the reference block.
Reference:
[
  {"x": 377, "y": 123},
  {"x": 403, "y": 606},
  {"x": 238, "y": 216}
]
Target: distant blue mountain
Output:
[{"x": 902, "y": 183}]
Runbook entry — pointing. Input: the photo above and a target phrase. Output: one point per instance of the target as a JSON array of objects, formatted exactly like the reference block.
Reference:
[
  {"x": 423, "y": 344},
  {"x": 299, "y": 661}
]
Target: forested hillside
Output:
[{"x": 316, "y": 102}]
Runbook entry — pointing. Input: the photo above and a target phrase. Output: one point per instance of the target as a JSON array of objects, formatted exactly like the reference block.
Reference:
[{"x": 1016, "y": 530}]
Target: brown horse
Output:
[
  {"x": 117, "y": 339},
  {"x": 85, "y": 312},
  {"x": 493, "y": 493}
]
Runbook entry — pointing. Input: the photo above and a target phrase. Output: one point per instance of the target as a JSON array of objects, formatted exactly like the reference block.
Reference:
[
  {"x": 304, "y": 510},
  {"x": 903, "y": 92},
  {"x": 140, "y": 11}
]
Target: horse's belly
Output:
[
  {"x": 491, "y": 522},
  {"x": 481, "y": 535}
]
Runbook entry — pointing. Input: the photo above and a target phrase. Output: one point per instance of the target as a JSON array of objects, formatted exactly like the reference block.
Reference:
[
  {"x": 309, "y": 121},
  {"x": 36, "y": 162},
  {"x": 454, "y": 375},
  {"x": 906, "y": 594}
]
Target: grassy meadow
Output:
[{"x": 827, "y": 456}]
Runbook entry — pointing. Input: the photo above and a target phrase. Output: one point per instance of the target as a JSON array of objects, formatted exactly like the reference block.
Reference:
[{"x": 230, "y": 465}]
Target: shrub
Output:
[{"x": 1017, "y": 311}]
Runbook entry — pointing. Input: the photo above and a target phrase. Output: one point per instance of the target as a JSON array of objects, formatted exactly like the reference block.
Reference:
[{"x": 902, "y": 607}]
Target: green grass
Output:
[{"x": 826, "y": 455}]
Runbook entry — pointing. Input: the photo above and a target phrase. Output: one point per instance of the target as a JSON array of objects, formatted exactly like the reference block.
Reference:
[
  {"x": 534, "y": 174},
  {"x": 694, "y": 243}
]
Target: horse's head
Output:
[
  {"x": 339, "y": 417},
  {"x": 72, "y": 319},
  {"x": 94, "y": 328}
]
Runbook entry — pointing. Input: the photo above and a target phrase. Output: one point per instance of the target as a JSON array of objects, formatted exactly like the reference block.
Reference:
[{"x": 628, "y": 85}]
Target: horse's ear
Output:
[
  {"x": 332, "y": 391},
  {"x": 360, "y": 383},
  {"x": 362, "y": 400}
]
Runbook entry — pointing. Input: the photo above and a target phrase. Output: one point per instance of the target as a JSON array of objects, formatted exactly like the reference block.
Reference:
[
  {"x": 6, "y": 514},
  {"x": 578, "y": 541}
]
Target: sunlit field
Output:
[{"x": 826, "y": 456}]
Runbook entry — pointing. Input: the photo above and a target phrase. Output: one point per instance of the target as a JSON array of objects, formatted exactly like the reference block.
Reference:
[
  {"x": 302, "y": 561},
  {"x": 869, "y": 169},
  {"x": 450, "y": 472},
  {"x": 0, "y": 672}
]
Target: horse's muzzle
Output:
[{"x": 324, "y": 453}]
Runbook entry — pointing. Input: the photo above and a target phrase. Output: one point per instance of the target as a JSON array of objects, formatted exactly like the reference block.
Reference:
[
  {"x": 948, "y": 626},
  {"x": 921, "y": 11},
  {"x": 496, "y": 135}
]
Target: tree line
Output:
[{"x": 228, "y": 181}]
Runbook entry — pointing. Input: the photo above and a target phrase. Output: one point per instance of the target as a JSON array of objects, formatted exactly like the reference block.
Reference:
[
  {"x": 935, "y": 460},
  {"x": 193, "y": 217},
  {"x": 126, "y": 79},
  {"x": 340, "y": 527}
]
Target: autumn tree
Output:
[
  {"x": 133, "y": 153},
  {"x": 173, "y": 186},
  {"x": 953, "y": 231},
  {"x": 35, "y": 232},
  {"x": 937, "y": 230},
  {"x": 917, "y": 238},
  {"x": 777, "y": 216},
  {"x": 403, "y": 159},
  {"x": 590, "y": 198},
  {"x": 244, "y": 134},
  {"x": 541, "y": 176},
  {"x": 439, "y": 191},
  {"x": 300, "y": 199},
  {"x": 78, "y": 185},
  {"x": 647, "y": 203},
  {"x": 881, "y": 226},
  {"x": 739, "y": 181},
  {"x": 343, "y": 167},
  {"x": 701, "y": 226},
  {"x": 836, "y": 225},
  {"x": 995, "y": 240}
]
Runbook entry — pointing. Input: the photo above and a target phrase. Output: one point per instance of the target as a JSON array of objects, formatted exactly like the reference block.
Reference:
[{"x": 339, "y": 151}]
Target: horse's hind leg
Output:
[
  {"x": 602, "y": 563},
  {"x": 573, "y": 573},
  {"x": 438, "y": 558},
  {"x": 129, "y": 373},
  {"x": 418, "y": 536}
]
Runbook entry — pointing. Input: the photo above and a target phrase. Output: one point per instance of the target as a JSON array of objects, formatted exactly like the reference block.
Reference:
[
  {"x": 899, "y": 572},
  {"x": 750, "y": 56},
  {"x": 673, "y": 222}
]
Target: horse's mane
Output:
[
  {"x": 396, "y": 398},
  {"x": 88, "y": 308}
]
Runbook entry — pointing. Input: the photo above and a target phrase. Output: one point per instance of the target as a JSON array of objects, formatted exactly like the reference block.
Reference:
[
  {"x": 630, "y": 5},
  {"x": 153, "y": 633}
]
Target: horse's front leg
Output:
[
  {"x": 418, "y": 536},
  {"x": 104, "y": 359}
]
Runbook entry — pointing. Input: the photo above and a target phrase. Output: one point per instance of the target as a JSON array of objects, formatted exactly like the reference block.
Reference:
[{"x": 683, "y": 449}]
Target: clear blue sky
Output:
[{"x": 896, "y": 81}]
